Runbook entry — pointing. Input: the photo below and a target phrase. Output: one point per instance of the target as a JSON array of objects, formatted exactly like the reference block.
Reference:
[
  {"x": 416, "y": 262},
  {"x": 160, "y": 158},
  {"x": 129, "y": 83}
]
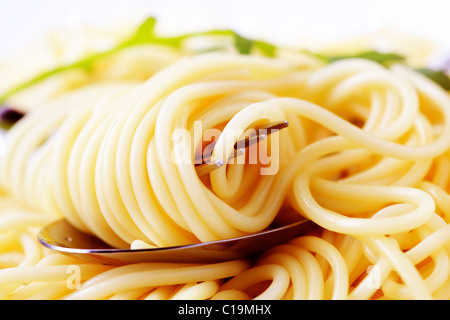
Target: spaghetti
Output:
[{"x": 365, "y": 157}]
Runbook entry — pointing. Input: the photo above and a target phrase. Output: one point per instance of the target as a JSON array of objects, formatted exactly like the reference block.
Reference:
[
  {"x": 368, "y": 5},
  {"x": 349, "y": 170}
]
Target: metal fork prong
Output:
[
  {"x": 204, "y": 165},
  {"x": 206, "y": 168}
]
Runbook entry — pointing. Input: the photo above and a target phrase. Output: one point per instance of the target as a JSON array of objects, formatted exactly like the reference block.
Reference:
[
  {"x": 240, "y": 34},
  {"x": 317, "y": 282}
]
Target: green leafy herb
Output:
[
  {"x": 375, "y": 56},
  {"x": 440, "y": 77},
  {"x": 379, "y": 57},
  {"x": 145, "y": 34},
  {"x": 265, "y": 47},
  {"x": 243, "y": 45}
]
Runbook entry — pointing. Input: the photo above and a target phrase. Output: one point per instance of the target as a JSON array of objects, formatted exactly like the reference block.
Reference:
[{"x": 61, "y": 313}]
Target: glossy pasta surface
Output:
[{"x": 365, "y": 157}]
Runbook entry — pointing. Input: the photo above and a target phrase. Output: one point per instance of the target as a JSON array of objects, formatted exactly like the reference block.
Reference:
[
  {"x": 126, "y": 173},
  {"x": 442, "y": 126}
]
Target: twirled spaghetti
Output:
[{"x": 365, "y": 157}]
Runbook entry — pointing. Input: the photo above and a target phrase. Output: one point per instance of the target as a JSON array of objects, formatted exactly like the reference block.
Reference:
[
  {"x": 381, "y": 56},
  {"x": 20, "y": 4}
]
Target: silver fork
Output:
[{"x": 204, "y": 165}]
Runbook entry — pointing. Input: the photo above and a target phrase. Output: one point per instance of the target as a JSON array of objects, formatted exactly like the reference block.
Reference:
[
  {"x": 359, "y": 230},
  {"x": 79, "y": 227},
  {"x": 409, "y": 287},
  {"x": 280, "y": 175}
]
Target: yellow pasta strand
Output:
[{"x": 365, "y": 158}]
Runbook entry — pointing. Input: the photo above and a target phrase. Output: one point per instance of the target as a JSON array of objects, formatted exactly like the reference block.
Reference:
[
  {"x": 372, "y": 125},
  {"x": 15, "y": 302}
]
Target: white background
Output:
[{"x": 280, "y": 21}]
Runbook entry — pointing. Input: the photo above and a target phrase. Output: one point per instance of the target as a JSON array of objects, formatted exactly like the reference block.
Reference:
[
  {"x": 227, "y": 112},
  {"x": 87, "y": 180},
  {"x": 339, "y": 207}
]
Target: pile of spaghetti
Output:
[{"x": 365, "y": 157}]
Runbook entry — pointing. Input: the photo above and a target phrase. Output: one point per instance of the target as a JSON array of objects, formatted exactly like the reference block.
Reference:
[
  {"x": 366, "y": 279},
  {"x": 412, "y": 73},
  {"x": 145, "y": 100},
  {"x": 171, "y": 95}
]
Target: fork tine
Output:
[{"x": 205, "y": 166}]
